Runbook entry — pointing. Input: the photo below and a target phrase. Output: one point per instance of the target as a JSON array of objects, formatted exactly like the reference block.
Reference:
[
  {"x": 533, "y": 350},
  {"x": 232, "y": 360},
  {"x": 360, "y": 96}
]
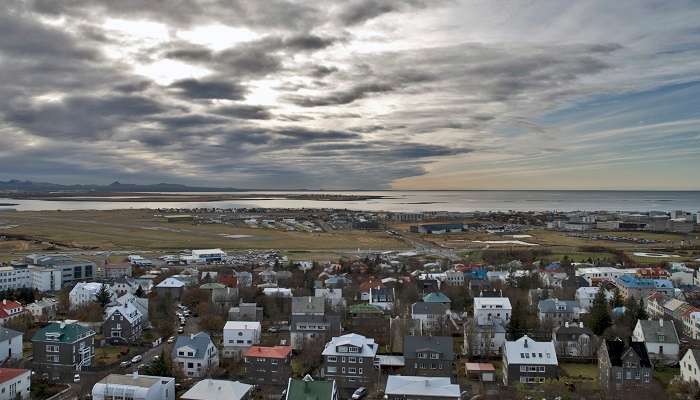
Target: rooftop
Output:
[{"x": 144, "y": 381}]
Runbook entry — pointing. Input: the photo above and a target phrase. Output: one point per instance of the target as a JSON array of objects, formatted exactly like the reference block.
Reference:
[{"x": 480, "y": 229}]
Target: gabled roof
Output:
[
  {"x": 421, "y": 386},
  {"x": 439, "y": 344},
  {"x": 127, "y": 310},
  {"x": 652, "y": 329},
  {"x": 11, "y": 373},
  {"x": 492, "y": 303},
  {"x": 617, "y": 349},
  {"x": 7, "y": 333},
  {"x": 367, "y": 346},
  {"x": 527, "y": 351},
  {"x": 171, "y": 283},
  {"x": 199, "y": 343},
  {"x": 552, "y": 305},
  {"x": 308, "y": 389},
  {"x": 65, "y": 332}
]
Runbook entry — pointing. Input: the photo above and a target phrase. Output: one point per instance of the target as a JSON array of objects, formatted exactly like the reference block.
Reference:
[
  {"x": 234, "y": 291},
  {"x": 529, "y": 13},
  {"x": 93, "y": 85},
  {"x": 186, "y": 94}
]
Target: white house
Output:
[
  {"x": 382, "y": 298},
  {"x": 490, "y": 310},
  {"x": 421, "y": 387},
  {"x": 691, "y": 324},
  {"x": 690, "y": 366},
  {"x": 239, "y": 336},
  {"x": 454, "y": 277},
  {"x": 85, "y": 292},
  {"x": 195, "y": 354},
  {"x": 215, "y": 389},
  {"x": 14, "y": 383},
  {"x": 45, "y": 279},
  {"x": 10, "y": 344},
  {"x": 15, "y": 278},
  {"x": 44, "y": 309},
  {"x": 660, "y": 338},
  {"x": 134, "y": 386},
  {"x": 9, "y": 310},
  {"x": 333, "y": 296}
]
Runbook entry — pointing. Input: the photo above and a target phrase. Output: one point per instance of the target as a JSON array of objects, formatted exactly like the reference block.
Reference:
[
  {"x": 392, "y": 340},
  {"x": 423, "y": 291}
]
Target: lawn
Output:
[
  {"x": 108, "y": 355},
  {"x": 579, "y": 372},
  {"x": 664, "y": 375}
]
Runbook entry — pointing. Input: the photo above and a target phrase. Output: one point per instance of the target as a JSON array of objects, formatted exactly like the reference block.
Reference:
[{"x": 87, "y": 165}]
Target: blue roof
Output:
[{"x": 631, "y": 281}]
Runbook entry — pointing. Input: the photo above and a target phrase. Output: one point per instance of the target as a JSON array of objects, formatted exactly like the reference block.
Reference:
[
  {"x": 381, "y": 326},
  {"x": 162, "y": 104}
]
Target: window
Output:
[
  {"x": 422, "y": 355},
  {"x": 353, "y": 360},
  {"x": 331, "y": 370},
  {"x": 523, "y": 368},
  {"x": 332, "y": 359},
  {"x": 359, "y": 371},
  {"x": 434, "y": 356},
  {"x": 352, "y": 370},
  {"x": 51, "y": 348}
]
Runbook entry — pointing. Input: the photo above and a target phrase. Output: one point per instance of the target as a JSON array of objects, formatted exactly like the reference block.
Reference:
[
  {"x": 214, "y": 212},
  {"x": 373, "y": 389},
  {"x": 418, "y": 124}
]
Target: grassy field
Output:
[
  {"x": 664, "y": 375},
  {"x": 140, "y": 229}
]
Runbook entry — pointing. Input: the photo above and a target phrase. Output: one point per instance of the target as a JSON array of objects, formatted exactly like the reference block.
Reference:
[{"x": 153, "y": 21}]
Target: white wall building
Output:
[
  {"x": 14, "y": 278},
  {"x": 490, "y": 310},
  {"x": 690, "y": 366},
  {"x": 45, "y": 279},
  {"x": 134, "y": 386},
  {"x": 593, "y": 275},
  {"x": 195, "y": 354},
  {"x": 10, "y": 344},
  {"x": 660, "y": 338},
  {"x": 586, "y": 294},
  {"x": 239, "y": 336},
  {"x": 15, "y": 382},
  {"x": 85, "y": 292}
]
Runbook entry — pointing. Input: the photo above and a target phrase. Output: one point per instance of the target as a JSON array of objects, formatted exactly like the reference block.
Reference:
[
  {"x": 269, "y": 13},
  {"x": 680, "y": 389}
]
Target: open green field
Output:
[{"x": 142, "y": 230}]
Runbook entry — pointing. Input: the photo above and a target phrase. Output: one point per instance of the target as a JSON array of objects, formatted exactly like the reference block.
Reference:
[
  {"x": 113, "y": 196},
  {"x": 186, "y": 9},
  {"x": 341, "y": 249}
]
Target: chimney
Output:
[
  {"x": 525, "y": 343},
  {"x": 191, "y": 336},
  {"x": 580, "y": 324},
  {"x": 62, "y": 324},
  {"x": 566, "y": 324}
]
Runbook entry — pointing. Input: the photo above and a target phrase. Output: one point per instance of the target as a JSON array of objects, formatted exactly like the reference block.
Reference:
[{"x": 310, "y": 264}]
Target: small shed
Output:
[{"x": 484, "y": 372}]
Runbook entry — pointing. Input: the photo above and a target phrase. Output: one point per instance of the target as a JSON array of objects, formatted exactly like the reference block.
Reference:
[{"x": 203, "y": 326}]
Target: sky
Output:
[{"x": 352, "y": 94}]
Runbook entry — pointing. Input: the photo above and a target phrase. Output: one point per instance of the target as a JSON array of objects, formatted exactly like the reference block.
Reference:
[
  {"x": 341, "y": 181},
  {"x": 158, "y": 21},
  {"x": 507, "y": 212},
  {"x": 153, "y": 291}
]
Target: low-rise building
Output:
[
  {"x": 268, "y": 365},
  {"x": 484, "y": 340},
  {"x": 116, "y": 271},
  {"x": 660, "y": 339},
  {"x": 310, "y": 323},
  {"x": 15, "y": 383},
  {"x": 61, "y": 348},
  {"x": 195, "y": 354},
  {"x": 491, "y": 310},
  {"x": 623, "y": 368},
  {"x": 245, "y": 312},
  {"x": 641, "y": 288},
  {"x": 574, "y": 340},
  {"x": 239, "y": 336},
  {"x": 170, "y": 287},
  {"x": 15, "y": 277},
  {"x": 383, "y": 298},
  {"x": 585, "y": 295},
  {"x": 420, "y": 388},
  {"x": 429, "y": 355},
  {"x": 10, "y": 310},
  {"x": 134, "y": 386},
  {"x": 86, "y": 292},
  {"x": 44, "y": 309},
  {"x": 349, "y": 360},
  {"x": 558, "y": 311},
  {"x": 309, "y": 389},
  {"x": 10, "y": 344},
  {"x": 123, "y": 323},
  {"x": 431, "y": 316},
  {"x": 690, "y": 366},
  {"x": 528, "y": 362},
  {"x": 215, "y": 389}
]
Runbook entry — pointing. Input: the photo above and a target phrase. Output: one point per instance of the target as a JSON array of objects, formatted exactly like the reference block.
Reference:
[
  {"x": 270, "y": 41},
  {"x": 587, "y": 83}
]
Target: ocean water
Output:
[{"x": 410, "y": 201}]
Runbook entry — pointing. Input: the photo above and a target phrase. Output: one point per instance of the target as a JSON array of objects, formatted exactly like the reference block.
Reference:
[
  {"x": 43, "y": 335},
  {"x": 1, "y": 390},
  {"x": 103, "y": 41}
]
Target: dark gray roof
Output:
[
  {"x": 429, "y": 308},
  {"x": 441, "y": 344},
  {"x": 617, "y": 348},
  {"x": 550, "y": 306},
  {"x": 308, "y": 304},
  {"x": 573, "y": 329},
  {"x": 7, "y": 333},
  {"x": 652, "y": 329},
  {"x": 333, "y": 322}
]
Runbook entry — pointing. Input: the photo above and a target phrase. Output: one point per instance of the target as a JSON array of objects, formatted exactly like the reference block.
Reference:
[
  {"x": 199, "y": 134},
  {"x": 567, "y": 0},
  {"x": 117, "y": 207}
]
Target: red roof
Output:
[
  {"x": 6, "y": 306},
  {"x": 229, "y": 280},
  {"x": 10, "y": 373},
  {"x": 479, "y": 367},
  {"x": 268, "y": 352}
]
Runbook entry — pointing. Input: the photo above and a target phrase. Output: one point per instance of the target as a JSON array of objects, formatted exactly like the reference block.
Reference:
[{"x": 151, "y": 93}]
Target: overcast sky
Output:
[{"x": 366, "y": 94}]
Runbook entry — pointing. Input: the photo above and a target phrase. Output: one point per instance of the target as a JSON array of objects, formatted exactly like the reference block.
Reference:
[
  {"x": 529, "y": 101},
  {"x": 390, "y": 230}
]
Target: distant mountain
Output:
[{"x": 15, "y": 185}]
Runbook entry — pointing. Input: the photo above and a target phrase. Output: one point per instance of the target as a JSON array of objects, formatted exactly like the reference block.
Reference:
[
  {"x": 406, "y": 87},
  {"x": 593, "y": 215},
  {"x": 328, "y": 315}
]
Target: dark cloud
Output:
[
  {"x": 356, "y": 12},
  {"x": 321, "y": 71},
  {"x": 133, "y": 87},
  {"x": 190, "y": 121},
  {"x": 244, "y": 111},
  {"x": 209, "y": 89},
  {"x": 342, "y": 97}
]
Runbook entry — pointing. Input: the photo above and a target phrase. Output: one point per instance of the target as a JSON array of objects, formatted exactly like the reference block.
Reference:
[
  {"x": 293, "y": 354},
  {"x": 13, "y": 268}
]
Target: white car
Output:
[
  {"x": 180, "y": 330},
  {"x": 136, "y": 359},
  {"x": 76, "y": 378},
  {"x": 171, "y": 339},
  {"x": 359, "y": 393},
  {"x": 125, "y": 363}
]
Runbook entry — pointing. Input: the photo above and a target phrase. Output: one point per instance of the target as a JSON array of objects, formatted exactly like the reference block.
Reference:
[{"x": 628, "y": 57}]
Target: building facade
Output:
[
  {"x": 61, "y": 348},
  {"x": 349, "y": 360}
]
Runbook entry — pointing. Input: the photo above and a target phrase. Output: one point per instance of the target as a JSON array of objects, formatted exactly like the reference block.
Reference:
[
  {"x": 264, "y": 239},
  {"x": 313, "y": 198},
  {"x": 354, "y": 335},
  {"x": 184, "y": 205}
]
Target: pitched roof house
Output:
[
  {"x": 622, "y": 367},
  {"x": 528, "y": 361},
  {"x": 660, "y": 339}
]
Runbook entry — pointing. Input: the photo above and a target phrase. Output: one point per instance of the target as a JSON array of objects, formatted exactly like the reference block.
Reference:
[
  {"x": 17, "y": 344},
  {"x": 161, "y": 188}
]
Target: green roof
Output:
[
  {"x": 436, "y": 297},
  {"x": 68, "y": 334},
  {"x": 213, "y": 285},
  {"x": 364, "y": 308},
  {"x": 300, "y": 389}
]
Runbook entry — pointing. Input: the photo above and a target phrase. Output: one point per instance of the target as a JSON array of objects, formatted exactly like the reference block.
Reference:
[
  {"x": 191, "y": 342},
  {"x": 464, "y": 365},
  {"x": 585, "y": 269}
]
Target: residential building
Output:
[
  {"x": 660, "y": 339},
  {"x": 596, "y": 275},
  {"x": 215, "y": 389},
  {"x": 333, "y": 296},
  {"x": 437, "y": 297},
  {"x": 429, "y": 355},
  {"x": 641, "y": 288},
  {"x": 454, "y": 278},
  {"x": 490, "y": 310},
  {"x": 420, "y": 388},
  {"x": 10, "y": 310},
  {"x": 383, "y": 298},
  {"x": 309, "y": 389},
  {"x": 15, "y": 383},
  {"x": 123, "y": 323},
  {"x": 245, "y": 312},
  {"x": 86, "y": 292},
  {"x": 691, "y": 324},
  {"x": 349, "y": 360},
  {"x": 268, "y": 365},
  {"x": 45, "y": 279},
  {"x": 10, "y": 344},
  {"x": 170, "y": 287},
  {"x": 310, "y": 323},
  {"x": 623, "y": 368},
  {"x": 195, "y": 354},
  {"x": 369, "y": 320},
  {"x": 224, "y": 298},
  {"x": 574, "y": 340},
  {"x": 430, "y": 316},
  {"x": 484, "y": 340},
  {"x": 44, "y": 309},
  {"x": 585, "y": 295},
  {"x": 124, "y": 285},
  {"x": 690, "y": 366},
  {"x": 239, "y": 336},
  {"x": 140, "y": 303},
  {"x": 61, "y": 348},
  {"x": 558, "y": 311},
  {"x": 527, "y": 361},
  {"x": 134, "y": 386}
]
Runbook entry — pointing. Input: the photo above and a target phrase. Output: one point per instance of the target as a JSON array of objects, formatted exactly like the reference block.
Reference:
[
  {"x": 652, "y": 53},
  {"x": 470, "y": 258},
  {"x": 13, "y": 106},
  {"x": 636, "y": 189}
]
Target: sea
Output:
[{"x": 415, "y": 201}]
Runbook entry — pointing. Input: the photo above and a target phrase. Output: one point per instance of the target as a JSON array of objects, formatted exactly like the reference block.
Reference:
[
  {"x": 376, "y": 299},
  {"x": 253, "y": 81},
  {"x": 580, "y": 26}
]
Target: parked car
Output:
[
  {"x": 180, "y": 330},
  {"x": 76, "y": 378},
  {"x": 359, "y": 393},
  {"x": 171, "y": 339},
  {"x": 136, "y": 359},
  {"x": 125, "y": 363}
]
